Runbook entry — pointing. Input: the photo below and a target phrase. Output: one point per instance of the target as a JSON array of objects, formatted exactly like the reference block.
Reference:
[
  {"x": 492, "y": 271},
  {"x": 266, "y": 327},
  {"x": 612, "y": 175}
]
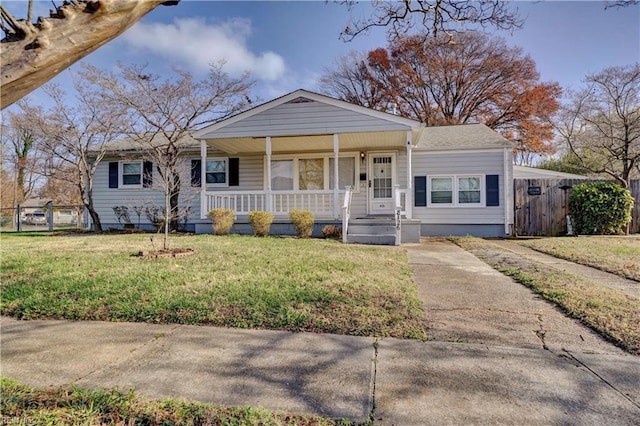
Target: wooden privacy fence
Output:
[{"x": 542, "y": 205}]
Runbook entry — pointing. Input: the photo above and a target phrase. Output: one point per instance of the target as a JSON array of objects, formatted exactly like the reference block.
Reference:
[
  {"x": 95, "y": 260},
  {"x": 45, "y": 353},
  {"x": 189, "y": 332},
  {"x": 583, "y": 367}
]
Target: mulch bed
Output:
[{"x": 176, "y": 252}]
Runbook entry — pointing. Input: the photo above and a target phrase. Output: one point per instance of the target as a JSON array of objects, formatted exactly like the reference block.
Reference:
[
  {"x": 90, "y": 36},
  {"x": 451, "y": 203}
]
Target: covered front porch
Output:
[
  {"x": 306, "y": 151},
  {"x": 373, "y": 178}
]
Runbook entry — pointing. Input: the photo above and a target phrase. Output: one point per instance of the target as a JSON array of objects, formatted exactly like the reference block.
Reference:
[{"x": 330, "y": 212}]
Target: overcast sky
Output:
[{"x": 287, "y": 45}]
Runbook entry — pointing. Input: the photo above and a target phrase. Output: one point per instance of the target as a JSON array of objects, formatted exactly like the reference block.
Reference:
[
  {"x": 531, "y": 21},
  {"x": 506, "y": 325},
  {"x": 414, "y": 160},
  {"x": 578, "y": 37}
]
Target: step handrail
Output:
[{"x": 346, "y": 212}]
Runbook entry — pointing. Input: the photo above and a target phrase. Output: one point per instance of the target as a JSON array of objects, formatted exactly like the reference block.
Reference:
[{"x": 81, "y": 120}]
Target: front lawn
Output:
[
  {"x": 236, "y": 281},
  {"x": 25, "y": 405},
  {"x": 618, "y": 255}
]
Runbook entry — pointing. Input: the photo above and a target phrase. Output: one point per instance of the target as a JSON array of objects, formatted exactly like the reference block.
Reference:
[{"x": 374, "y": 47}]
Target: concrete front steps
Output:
[{"x": 381, "y": 231}]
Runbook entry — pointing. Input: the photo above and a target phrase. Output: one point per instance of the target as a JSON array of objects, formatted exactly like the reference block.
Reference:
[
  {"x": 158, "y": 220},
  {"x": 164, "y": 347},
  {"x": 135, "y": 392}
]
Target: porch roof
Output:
[{"x": 311, "y": 143}]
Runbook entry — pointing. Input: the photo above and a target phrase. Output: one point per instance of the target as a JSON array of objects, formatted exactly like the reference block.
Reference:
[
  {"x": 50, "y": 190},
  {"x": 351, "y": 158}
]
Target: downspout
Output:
[{"x": 507, "y": 184}]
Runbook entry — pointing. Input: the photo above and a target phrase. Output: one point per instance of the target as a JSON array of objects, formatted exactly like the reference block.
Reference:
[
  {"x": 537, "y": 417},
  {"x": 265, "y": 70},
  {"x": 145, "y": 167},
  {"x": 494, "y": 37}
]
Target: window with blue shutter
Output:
[
  {"x": 420, "y": 191},
  {"x": 113, "y": 174},
  {"x": 493, "y": 190},
  {"x": 234, "y": 171}
]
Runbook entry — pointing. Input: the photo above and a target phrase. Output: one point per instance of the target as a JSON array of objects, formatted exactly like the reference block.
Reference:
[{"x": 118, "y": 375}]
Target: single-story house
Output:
[{"x": 375, "y": 174}]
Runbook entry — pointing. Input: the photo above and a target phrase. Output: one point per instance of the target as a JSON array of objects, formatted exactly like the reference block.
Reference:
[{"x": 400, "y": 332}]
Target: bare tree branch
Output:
[{"x": 432, "y": 17}]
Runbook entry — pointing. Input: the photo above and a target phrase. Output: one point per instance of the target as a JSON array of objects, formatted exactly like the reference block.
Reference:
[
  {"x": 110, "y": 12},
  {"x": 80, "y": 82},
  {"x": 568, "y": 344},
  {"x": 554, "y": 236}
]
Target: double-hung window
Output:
[
  {"x": 217, "y": 172},
  {"x": 457, "y": 191},
  {"x": 131, "y": 174}
]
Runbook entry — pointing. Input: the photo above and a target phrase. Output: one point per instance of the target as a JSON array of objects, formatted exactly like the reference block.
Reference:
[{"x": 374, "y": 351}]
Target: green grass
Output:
[
  {"x": 610, "y": 312},
  {"x": 618, "y": 255},
  {"x": 236, "y": 281},
  {"x": 24, "y": 405}
]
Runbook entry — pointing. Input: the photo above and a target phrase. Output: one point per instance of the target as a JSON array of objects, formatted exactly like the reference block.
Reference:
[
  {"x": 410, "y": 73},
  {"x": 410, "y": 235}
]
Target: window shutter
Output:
[
  {"x": 113, "y": 174},
  {"x": 493, "y": 190},
  {"x": 147, "y": 174},
  {"x": 234, "y": 171},
  {"x": 420, "y": 191},
  {"x": 196, "y": 172}
]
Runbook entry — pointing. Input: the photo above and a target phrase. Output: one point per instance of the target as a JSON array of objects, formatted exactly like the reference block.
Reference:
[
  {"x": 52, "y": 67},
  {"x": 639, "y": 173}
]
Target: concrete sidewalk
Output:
[
  {"x": 504, "y": 376},
  {"x": 413, "y": 383}
]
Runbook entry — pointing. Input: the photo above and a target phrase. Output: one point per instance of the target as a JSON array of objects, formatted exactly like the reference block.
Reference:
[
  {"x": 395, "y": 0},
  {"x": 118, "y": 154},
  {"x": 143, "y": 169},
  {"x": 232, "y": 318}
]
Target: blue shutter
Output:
[
  {"x": 113, "y": 174},
  {"x": 234, "y": 171},
  {"x": 420, "y": 191},
  {"x": 147, "y": 174},
  {"x": 493, "y": 190},
  {"x": 196, "y": 172}
]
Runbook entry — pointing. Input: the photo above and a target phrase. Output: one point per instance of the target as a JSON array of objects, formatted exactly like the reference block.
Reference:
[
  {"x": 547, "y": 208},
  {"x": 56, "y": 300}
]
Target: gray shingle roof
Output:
[
  {"x": 128, "y": 145},
  {"x": 461, "y": 136}
]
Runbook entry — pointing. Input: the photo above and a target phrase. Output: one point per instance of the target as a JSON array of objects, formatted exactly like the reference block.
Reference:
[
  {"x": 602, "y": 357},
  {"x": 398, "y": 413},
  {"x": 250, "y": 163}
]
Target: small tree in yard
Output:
[
  {"x": 161, "y": 114},
  {"x": 600, "y": 208}
]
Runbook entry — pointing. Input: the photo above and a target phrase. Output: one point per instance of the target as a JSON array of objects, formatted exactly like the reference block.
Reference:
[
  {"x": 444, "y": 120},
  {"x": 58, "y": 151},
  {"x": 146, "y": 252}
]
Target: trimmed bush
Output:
[
  {"x": 302, "y": 222},
  {"x": 332, "y": 231},
  {"x": 260, "y": 222},
  {"x": 222, "y": 220},
  {"x": 600, "y": 208}
]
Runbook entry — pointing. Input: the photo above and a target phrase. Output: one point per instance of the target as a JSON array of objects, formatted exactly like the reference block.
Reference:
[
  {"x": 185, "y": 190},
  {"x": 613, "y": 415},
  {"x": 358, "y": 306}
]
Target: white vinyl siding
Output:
[{"x": 460, "y": 165}]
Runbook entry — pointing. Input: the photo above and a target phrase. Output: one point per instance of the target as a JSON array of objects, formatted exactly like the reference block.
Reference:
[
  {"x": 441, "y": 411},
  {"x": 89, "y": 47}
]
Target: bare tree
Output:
[
  {"x": 21, "y": 144},
  {"x": 432, "y": 17},
  {"x": 33, "y": 53},
  {"x": 349, "y": 79},
  {"x": 77, "y": 135},
  {"x": 601, "y": 123},
  {"x": 161, "y": 113}
]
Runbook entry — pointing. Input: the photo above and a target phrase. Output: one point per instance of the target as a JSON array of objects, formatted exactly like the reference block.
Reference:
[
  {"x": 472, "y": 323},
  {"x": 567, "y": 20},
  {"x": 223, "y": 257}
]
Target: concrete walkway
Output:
[
  {"x": 628, "y": 286},
  {"x": 397, "y": 382}
]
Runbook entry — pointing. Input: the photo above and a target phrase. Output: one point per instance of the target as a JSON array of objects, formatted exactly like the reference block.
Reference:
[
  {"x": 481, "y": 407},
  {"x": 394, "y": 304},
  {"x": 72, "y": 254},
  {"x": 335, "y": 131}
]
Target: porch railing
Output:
[{"x": 279, "y": 202}]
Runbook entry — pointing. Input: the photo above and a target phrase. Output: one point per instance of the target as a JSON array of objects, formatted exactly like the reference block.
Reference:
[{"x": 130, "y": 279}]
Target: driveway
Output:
[{"x": 465, "y": 300}]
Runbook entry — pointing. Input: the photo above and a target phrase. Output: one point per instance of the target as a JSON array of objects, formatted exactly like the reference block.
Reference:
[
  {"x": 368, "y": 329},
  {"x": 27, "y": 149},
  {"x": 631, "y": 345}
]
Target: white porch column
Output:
[
  {"x": 409, "y": 197},
  {"x": 336, "y": 175},
  {"x": 268, "y": 151},
  {"x": 203, "y": 179}
]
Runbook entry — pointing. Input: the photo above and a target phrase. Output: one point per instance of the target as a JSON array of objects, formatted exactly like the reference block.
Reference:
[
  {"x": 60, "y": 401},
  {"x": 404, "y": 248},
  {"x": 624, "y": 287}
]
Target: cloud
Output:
[{"x": 194, "y": 43}]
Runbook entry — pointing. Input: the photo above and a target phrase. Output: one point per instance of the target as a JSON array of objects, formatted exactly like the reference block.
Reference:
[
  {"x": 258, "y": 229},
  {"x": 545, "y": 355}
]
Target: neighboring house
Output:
[{"x": 290, "y": 152}]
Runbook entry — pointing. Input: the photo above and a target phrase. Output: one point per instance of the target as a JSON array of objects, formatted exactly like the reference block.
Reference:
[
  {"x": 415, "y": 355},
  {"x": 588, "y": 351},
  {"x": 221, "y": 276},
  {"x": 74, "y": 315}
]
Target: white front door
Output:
[{"x": 382, "y": 172}]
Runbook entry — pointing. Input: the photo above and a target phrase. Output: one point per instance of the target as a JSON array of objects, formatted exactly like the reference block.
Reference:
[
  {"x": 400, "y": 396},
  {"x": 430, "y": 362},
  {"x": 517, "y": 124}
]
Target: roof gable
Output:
[{"x": 303, "y": 112}]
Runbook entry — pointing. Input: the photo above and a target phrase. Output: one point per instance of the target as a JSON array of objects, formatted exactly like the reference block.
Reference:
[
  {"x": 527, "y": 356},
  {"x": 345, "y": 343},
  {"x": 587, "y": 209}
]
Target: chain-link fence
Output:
[{"x": 49, "y": 217}]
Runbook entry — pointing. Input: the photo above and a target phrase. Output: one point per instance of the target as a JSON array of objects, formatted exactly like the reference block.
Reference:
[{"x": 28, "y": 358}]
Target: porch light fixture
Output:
[{"x": 362, "y": 155}]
